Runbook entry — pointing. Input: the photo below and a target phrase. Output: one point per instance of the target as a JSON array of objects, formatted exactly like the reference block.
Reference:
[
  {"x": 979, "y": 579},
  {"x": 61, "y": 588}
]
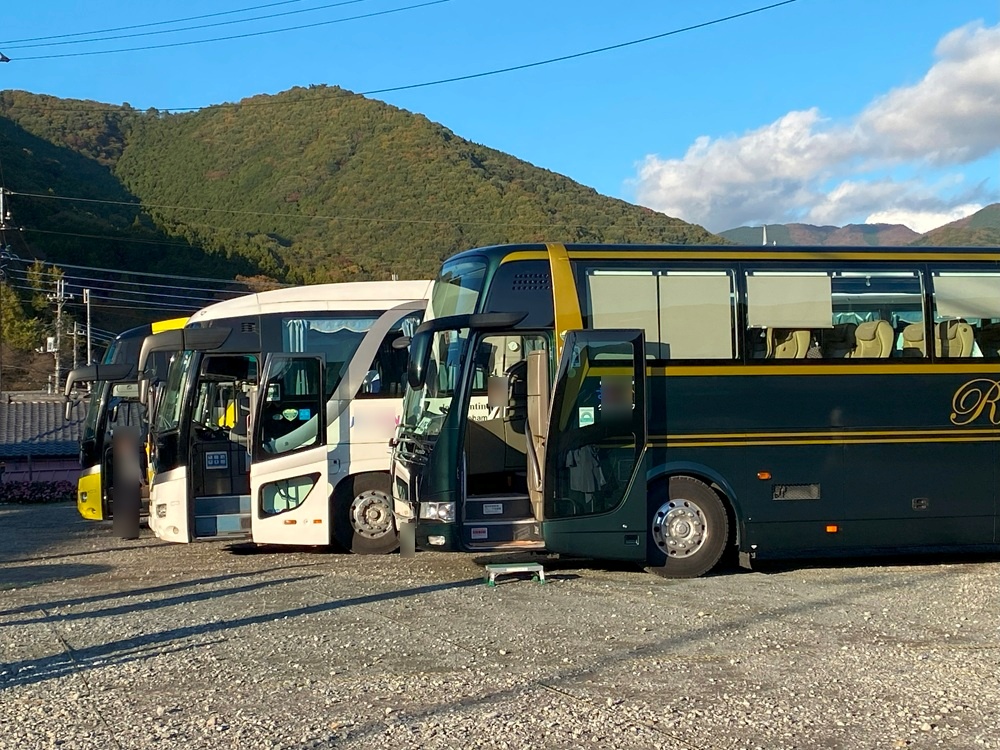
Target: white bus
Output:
[{"x": 274, "y": 421}]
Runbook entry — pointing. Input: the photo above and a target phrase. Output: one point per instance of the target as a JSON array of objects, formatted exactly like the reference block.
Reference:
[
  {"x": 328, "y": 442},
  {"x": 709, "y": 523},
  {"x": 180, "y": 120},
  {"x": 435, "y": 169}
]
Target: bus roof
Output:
[{"x": 355, "y": 295}]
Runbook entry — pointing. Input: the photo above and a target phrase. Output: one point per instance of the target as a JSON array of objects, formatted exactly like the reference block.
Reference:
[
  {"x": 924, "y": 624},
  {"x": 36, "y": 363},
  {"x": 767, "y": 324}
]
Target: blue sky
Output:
[{"x": 823, "y": 111}]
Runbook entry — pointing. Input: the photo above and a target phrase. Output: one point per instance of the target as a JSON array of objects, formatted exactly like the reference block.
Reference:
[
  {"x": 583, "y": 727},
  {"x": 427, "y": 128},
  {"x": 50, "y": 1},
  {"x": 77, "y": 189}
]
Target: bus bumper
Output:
[{"x": 88, "y": 495}]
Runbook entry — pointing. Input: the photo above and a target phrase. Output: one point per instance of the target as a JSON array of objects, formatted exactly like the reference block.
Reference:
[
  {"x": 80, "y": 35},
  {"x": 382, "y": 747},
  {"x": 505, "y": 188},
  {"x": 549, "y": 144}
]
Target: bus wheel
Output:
[
  {"x": 689, "y": 528},
  {"x": 363, "y": 519}
]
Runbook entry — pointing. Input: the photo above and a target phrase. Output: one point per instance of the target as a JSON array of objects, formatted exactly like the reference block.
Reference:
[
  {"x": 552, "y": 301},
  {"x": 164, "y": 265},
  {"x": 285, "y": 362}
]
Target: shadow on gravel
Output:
[
  {"x": 22, "y": 576},
  {"x": 147, "y": 605},
  {"x": 143, "y": 591},
  {"x": 563, "y": 679},
  {"x": 123, "y": 546},
  {"x": 886, "y": 560},
  {"x": 34, "y": 671}
]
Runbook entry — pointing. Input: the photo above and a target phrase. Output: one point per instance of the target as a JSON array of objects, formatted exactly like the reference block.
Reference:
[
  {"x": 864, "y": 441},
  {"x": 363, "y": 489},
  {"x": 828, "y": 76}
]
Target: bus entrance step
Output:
[{"x": 492, "y": 571}]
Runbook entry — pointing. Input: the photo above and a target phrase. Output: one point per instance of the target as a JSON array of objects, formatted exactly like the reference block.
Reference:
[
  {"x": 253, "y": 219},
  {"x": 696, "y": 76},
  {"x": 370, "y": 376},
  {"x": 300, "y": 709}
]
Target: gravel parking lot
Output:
[{"x": 139, "y": 644}]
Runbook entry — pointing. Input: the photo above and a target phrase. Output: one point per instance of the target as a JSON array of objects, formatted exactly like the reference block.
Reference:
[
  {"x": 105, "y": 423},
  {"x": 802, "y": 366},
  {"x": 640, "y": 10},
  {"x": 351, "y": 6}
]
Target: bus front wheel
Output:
[
  {"x": 688, "y": 528},
  {"x": 363, "y": 519}
]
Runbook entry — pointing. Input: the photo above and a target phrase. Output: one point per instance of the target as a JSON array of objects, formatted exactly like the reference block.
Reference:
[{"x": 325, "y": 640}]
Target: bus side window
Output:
[
  {"x": 387, "y": 373},
  {"x": 685, "y": 314},
  {"x": 966, "y": 314},
  {"x": 839, "y": 314},
  {"x": 787, "y": 311}
]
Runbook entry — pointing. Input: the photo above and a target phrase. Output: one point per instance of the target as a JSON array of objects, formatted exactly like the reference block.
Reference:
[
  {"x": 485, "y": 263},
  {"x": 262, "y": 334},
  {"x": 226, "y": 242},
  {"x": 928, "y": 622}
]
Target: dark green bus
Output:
[{"x": 667, "y": 404}]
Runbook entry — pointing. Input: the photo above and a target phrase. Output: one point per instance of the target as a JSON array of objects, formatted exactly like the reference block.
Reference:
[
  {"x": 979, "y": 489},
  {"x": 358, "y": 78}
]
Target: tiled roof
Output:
[{"x": 35, "y": 425}]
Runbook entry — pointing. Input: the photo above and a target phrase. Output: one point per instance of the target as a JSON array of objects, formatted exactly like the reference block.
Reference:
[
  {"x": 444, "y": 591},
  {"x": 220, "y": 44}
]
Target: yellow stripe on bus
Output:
[
  {"x": 869, "y": 441},
  {"x": 168, "y": 325},
  {"x": 564, "y": 297},
  {"x": 824, "y": 433},
  {"x": 926, "y": 368}
]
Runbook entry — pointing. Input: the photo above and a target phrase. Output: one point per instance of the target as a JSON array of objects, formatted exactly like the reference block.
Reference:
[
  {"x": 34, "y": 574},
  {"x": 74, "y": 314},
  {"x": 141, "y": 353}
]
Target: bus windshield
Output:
[
  {"x": 93, "y": 411},
  {"x": 170, "y": 409},
  {"x": 457, "y": 289},
  {"x": 425, "y": 409},
  {"x": 456, "y": 292}
]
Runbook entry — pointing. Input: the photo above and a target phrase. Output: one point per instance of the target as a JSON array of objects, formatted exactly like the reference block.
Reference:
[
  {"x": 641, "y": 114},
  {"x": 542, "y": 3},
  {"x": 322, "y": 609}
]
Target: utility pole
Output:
[
  {"x": 86, "y": 301},
  {"x": 76, "y": 345},
  {"x": 5, "y": 256},
  {"x": 60, "y": 298}
]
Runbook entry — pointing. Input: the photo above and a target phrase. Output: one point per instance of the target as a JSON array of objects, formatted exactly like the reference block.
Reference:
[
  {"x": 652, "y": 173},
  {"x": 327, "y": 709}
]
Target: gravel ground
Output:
[{"x": 138, "y": 644}]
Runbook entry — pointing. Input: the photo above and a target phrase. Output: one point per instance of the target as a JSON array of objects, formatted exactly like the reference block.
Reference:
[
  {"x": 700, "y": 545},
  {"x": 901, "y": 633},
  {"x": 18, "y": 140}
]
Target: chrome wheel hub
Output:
[
  {"x": 679, "y": 528},
  {"x": 371, "y": 514}
]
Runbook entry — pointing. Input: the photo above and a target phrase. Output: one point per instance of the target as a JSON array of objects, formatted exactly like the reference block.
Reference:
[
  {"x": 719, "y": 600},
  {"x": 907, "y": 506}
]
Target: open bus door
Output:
[
  {"x": 594, "y": 479},
  {"x": 289, "y": 473},
  {"x": 200, "y": 489}
]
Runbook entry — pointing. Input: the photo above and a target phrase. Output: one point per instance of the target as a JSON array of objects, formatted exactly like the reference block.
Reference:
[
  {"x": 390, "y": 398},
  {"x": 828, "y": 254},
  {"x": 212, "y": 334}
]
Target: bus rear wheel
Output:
[
  {"x": 363, "y": 520},
  {"x": 688, "y": 528}
]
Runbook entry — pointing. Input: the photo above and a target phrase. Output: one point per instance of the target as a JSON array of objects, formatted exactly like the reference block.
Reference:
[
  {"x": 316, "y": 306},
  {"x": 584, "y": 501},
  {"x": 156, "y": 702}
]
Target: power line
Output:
[
  {"x": 576, "y": 55},
  {"x": 309, "y": 217},
  {"x": 113, "y": 238},
  {"x": 454, "y": 79},
  {"x": 137, "y": 304},
  {"x": 125, "y": 295},
  {"x": 145, "y": 273},
  {"x": 154, "y": 23},
  {"x": 9, "y": 45},
  {"x": 122, "y": 282},
  {"x": 239, "y": 36},
  {"x": 168, "y": 299}
]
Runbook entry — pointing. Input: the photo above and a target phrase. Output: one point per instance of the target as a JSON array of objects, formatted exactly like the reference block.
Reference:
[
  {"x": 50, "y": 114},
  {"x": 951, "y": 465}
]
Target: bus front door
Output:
[
  {"x": 594, "y": 484},
  {"x": 289, "y": 475},
  {"x": 218, "y": 466}
]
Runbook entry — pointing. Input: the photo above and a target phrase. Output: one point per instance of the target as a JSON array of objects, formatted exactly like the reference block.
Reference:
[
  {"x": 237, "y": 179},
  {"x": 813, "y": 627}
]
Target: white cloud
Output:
[
  {"x": 783, "y": 171},
  {"x": 923, "y": 221}
]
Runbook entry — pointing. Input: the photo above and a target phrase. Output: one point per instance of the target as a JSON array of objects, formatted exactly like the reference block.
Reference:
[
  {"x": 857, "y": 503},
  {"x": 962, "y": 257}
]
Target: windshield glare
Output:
[
  {"x": 425, "y": 409},
  {"x": 171, "y": 402},
  {"x": 93, "y": 411},
  {"x": 457, "y": 289},
  {"x": 456, "y": 292}
]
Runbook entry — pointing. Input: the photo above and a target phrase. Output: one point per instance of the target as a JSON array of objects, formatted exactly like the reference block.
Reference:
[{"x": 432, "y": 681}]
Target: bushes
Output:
[{"x": 25, "y": 493}]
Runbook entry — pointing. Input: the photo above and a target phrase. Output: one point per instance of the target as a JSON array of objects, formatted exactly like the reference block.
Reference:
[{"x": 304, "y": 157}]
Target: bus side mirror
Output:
[
  {"x": 403, "y": 342},
  {"x": 69, "y": 408},
  {"x": 420, "y": 354},
  {"x": 144, "y": 390}
]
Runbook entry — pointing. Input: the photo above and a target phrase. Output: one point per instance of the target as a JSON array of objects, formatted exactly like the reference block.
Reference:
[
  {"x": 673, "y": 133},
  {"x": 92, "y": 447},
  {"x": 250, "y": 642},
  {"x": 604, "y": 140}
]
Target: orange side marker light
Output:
[{"x": 832, "y": 528}]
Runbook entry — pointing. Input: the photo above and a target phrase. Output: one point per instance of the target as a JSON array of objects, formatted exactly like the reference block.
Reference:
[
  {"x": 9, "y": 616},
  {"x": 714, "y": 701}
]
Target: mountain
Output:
[
  {"x": 310, "y": 185},
  {"x": 981, "y": 228},
  {"x": 809, "y": 234}
]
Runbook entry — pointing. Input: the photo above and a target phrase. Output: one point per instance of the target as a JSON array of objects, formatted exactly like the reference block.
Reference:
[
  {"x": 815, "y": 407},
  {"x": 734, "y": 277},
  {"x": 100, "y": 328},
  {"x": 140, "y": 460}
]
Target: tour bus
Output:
[
  {"x": 274, "y": 421},
  {"x": 673, "y": 404},
  {"x": 113, "y": 402}
]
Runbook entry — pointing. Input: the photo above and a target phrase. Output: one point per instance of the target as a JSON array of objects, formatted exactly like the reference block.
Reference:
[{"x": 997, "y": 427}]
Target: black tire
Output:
[
  {"x": 362, "y": 516},
  {"x": 688, "y": 528}
]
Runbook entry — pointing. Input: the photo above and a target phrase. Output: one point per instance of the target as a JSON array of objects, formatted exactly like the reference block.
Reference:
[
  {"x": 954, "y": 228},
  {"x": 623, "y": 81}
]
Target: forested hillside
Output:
[
  {"x": 981, "y": 228},
  {"x": 307, "y": 186},
  {"x": 310, "y": 185}
]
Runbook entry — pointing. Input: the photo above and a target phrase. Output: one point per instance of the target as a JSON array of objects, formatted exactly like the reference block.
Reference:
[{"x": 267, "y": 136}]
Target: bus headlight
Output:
[{"x": 438, "y": 511}]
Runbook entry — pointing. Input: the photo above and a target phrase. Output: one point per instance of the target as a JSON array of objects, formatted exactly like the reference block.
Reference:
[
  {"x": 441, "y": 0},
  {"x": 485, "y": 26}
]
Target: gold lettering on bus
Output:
[{"x": 974, "y": 399}]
